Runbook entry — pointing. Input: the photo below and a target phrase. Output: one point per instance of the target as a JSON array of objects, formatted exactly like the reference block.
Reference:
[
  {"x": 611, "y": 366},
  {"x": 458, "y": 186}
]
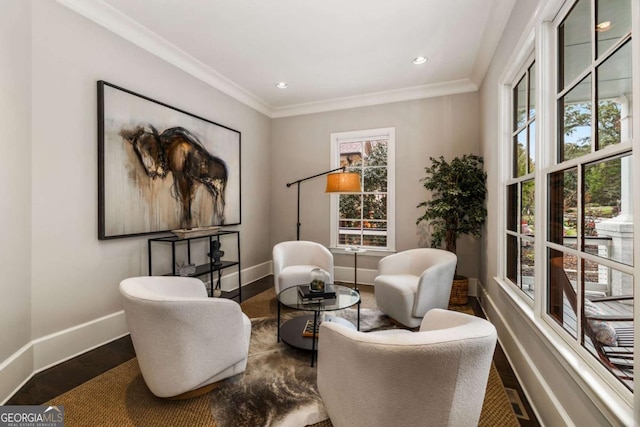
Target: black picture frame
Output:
[{"x": 161, "y": 168}]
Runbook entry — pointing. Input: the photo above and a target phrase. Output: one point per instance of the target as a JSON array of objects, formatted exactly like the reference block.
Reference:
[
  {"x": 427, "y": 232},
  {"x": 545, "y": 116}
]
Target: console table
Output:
[{"x": 203, "y": 269}]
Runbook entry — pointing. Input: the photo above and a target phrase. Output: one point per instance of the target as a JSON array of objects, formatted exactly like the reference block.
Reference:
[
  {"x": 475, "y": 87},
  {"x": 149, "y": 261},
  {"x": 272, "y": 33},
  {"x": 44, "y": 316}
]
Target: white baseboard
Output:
[
  {"x": 15, "y": 372},
  {"x": 346, "y": 274},
  {"x": 473, "y": 287},
  {"x": 53, "y": 349},
  {"x": 50, "y": 350},
  {"x": 229, "y": 281}
]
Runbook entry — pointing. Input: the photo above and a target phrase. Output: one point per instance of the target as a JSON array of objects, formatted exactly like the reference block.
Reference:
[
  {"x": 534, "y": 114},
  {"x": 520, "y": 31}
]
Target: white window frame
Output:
[
  {"x": 509, "y": 179},
  {"x": 604, "y": 377},
  {"x": 520, "y": 62},
  {"x": 353, "y": 136},
  {"x": 609, "y": 395}
]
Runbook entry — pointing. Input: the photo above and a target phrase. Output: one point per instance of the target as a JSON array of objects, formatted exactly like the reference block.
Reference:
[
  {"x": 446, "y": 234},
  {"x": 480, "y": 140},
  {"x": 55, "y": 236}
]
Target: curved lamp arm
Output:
[{"x": 343, "y": 168}]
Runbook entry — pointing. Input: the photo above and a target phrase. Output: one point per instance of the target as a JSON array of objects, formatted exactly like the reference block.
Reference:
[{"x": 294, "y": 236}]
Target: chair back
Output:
[
  {"x": 434, "y": 286},
  {"x": 181, "y": 336},
  {"x": 416, "y": 261},
  {"x": 438, "y": 374},
  {"x": 300, "y": 252}
]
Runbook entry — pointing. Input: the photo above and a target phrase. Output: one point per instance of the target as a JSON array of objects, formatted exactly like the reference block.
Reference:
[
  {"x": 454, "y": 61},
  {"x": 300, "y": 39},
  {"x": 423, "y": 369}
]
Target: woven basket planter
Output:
[{"x": 459, "y": 291}]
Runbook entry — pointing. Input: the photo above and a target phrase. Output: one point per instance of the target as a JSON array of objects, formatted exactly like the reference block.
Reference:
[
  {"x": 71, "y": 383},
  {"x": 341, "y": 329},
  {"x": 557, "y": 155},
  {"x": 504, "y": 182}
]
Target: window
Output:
[
  {"x": 520, "y": 189},
  {"x": 589, "y": 242},
  {"x": 365, "y": 219}
]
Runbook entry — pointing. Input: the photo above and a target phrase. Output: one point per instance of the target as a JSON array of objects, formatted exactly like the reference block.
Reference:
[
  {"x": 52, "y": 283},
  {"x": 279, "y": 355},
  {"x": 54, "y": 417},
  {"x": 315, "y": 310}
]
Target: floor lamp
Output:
[{"x": 343, "y": 182}]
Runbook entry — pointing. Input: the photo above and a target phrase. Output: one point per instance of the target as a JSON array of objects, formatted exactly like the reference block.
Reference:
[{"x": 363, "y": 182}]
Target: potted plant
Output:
[{"x": 458, "y": 191}]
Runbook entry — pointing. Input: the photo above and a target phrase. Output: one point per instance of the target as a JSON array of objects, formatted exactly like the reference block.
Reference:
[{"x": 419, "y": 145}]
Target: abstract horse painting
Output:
[
  {"x": 179, "y": 152},
  {"x": 161, "y": 168}
]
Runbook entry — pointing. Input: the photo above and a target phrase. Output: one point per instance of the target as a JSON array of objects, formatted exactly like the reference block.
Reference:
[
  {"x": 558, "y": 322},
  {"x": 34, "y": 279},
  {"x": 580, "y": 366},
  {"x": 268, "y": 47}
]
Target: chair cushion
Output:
[
  {"x": 395, "y": 296},
  {"x": 402, "y": 283},
  {"x": 604, "y": 331}
]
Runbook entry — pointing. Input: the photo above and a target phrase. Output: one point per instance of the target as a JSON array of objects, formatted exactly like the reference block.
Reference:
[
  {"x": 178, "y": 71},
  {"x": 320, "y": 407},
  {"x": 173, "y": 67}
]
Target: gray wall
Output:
[
  {"x": 15, "y": 179},
  {"x": 447, "y": 125},
  {"x": 59, "y": 277},
  {"x": 69, "y": 55}
]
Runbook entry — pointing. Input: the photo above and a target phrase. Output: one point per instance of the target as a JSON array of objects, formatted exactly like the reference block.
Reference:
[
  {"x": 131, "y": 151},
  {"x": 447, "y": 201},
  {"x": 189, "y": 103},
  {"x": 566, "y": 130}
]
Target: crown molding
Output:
[
  {"x": 125, "y": 27},
  {"x": 115, "y": 21},
  {"x": 490, "y": 39},
  {"x": 376, "y": 98}
]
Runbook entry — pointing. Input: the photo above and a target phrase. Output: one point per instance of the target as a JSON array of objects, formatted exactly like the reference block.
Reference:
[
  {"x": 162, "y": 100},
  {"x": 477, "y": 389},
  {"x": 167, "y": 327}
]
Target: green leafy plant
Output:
[{"x": 458, "y": 191}]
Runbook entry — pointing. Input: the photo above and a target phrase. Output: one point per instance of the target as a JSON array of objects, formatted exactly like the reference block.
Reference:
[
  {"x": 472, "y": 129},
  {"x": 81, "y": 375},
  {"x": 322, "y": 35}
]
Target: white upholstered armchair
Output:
[
  {"x": 294, "y": 260},
  {"x": 437, "y": 376},
  {"x": 412, "y": 282},
  {"x": 184, "y": 340}
]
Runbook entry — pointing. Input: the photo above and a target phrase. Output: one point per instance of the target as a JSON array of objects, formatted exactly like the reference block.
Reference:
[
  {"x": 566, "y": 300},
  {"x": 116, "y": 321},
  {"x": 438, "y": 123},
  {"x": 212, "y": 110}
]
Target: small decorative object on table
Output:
[
  {"x": 186, "y": 269},
  {"x": 216, "y": 253},
  {"x": 319, "y": 278}
]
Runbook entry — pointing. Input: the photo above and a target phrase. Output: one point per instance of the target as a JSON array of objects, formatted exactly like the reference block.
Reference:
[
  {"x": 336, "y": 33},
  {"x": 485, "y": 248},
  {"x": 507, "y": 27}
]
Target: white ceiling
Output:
[{"x": 332, "y": 53}]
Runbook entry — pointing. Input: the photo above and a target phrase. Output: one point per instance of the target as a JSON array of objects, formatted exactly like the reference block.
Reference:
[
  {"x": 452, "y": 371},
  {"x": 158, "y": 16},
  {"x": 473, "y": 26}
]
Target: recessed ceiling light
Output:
[
  {"x": 603, "y": 26},
  {"x": 419, "y": 60},
  {"x": 282, "y": 85}
]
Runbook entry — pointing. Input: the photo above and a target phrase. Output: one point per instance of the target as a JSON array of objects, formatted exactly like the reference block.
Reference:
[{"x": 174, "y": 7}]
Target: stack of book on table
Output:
[
  {"x": 307, "y": 296},
  {"x": 308, "y": 330}
]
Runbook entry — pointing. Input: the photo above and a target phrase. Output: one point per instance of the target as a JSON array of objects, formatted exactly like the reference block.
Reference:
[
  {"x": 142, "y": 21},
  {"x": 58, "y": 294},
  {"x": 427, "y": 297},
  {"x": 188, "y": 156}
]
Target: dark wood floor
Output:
[{"x": 48, "y": 384}]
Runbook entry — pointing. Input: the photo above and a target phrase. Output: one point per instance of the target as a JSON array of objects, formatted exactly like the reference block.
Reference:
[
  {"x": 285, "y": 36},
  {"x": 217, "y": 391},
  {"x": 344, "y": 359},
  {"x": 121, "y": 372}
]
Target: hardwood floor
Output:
[
  {"x": 61, "y": 378},
  {"x": 54, "y": 381}
]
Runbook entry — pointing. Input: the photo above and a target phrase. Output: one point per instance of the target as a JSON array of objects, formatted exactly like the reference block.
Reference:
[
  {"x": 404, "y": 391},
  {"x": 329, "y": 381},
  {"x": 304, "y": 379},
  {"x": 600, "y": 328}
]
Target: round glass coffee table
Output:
[{"x": 291, "y": 331}]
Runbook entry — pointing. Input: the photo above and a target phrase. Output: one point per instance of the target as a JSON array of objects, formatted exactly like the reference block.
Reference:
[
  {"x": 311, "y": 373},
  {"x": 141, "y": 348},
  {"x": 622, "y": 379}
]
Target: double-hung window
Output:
[
  {"x": 365, "y": 219},
  {"x": 589, "y": 241},
  {"x": 521, "y": 224}
]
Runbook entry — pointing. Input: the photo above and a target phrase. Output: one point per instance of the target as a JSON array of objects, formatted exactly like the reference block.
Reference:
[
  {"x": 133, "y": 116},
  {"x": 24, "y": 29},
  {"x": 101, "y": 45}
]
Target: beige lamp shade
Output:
[{"x": 344, "y": 182}]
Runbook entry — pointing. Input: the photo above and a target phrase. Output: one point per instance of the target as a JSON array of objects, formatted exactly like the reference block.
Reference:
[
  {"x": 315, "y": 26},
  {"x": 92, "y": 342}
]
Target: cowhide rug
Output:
[{"x": 279, "y": 386}]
